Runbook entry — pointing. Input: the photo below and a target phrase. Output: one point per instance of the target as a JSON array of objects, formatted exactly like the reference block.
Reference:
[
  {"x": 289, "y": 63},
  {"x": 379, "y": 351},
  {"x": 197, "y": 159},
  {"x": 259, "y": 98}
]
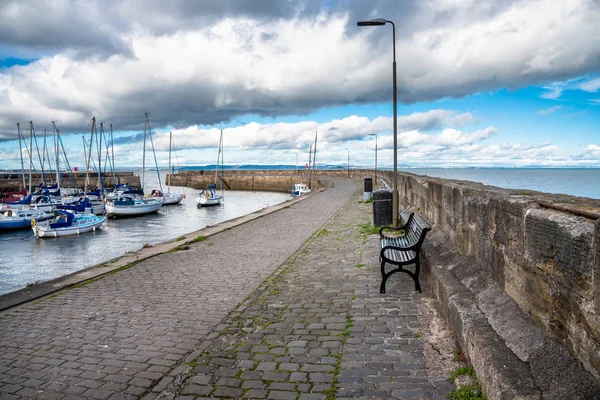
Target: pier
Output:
[{"x": 285, "y": 303}]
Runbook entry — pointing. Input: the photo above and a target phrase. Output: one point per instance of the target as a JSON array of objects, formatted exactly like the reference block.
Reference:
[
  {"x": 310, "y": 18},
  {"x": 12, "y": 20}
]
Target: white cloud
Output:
[
  {"x": 548, "y": 111},
  {"x": 591, "y": 85}
]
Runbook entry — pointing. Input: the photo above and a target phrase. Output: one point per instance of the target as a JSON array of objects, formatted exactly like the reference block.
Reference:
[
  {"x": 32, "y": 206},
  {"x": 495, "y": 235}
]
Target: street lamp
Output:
[
  {"x": 374, "y": 134},
  {"x": 348, "y": 163},
  {"x": 377, "y": 22}
]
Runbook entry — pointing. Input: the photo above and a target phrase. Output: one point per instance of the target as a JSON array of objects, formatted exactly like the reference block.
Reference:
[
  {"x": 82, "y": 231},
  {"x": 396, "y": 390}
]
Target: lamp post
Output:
[
  {"x": 377, "y": 22},
  {"x": 374, "y": 134},
  {"x": 348, "y": 163}
]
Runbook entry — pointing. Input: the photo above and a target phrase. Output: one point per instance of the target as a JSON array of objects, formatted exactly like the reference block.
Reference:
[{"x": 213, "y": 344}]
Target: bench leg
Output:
[
  {"x": 384, "y": 277},
  {"x": 416, "y": 276}
]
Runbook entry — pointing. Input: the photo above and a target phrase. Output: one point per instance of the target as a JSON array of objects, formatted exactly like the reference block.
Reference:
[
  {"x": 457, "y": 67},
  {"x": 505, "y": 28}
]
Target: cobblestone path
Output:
[
  {"x": 318, "y": 328},
  {"x": 283, "y": 307}
]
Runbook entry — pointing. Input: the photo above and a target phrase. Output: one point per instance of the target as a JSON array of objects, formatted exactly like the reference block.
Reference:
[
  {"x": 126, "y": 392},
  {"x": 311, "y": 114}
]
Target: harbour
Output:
[{"x": 25, "y": 260}]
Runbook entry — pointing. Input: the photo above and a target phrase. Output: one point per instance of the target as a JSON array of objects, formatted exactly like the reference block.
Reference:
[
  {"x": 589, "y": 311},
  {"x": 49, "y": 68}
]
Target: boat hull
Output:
[
  {"x": 46, "y": 232},
  {"x": 132, "y": 210},
  {"x": 173, "y": 198},
  {"x": 213, "y": 199},
  {"x": 21, "y": 219}
]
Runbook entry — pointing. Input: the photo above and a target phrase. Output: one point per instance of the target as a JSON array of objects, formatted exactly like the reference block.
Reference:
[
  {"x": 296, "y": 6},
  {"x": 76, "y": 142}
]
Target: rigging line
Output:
[
  {"x": 21, "y": 153},
  {"x": 154, "y": 152},
  {"x": 37, "y": 148}
]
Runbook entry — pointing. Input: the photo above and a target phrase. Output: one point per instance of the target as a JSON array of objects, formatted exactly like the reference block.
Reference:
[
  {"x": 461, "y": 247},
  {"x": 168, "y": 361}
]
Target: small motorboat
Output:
[
  {"x": 65, "y": 223},
  {"x": 299, "y": 189}
]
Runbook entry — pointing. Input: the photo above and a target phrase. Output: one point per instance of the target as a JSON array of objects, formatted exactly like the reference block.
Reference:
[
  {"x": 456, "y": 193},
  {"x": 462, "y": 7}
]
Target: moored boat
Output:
[
  {"x": 128, "y": 206},
  {"x": 299, "y": 189},
  {"x": 21, "y": 219},
  {"x": 208, "y": 197},
  {"x": 65, "y": 223}
]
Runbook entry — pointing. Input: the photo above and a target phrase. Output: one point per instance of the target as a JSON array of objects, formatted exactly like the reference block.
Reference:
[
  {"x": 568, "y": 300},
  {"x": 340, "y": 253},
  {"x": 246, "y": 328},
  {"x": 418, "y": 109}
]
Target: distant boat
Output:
[
  {"x": 299, "y": 189},
  {"x": 210, "y": 196},
  {"x": 21, "y": 219},
  {"x": 65, "y": 223}
]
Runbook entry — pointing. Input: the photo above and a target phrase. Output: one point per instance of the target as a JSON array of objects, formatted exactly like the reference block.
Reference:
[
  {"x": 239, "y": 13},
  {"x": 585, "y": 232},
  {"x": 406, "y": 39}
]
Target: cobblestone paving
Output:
[
  {"x": 117, "y": 337},
  {"x": 275, "y": 308},
  {"x": 318, "y": 328}
]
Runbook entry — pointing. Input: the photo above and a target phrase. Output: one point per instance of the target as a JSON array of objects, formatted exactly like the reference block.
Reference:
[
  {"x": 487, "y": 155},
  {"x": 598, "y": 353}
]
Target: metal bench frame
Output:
[{"x": 403, "y": 250}]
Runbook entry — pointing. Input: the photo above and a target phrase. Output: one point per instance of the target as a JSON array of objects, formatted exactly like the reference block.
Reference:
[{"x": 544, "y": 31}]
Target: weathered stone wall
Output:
[
  {"x": 14, "y": 181},
  {"x": 270, "y": 181},
  {"x": 547, "y": 260}
]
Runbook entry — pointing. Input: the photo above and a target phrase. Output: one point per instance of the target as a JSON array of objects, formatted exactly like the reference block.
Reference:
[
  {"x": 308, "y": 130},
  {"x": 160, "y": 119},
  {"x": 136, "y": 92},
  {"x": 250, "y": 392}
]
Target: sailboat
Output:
[
  {"x": 125, "y": 204},
  {"x": 171, "y": 198},
  {"x": 210, "y": 196}
]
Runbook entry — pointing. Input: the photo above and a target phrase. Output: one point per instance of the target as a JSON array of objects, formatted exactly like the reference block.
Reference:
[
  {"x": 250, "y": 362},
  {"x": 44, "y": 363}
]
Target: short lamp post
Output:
[
  {"x": 374, "y": 134},
  {"x": 377, "y": 22},
  {"x": 348, "y": 163}
]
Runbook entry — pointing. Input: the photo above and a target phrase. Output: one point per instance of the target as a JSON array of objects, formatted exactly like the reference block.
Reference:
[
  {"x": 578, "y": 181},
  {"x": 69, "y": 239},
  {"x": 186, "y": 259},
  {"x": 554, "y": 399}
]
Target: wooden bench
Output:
[{"x": 403, "y": 249}]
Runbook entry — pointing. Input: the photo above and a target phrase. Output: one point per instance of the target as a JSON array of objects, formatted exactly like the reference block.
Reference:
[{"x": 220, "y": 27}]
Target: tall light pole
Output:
[
  {"x": 348, "y": 163},
  {"x": 374, "y": 134},
  {"x": 377, "y": 22}
]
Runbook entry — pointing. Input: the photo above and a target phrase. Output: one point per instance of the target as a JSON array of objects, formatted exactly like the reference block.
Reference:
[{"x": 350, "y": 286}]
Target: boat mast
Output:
[
  {"x": 222, "y": 161},
  {"x": 155, "y": 160},
  {"x": 100, "y": 186},
  {"x": 218, "y": 159},
  {"x": 21, "y": 152},
  {"x": 89, "y": 156},
  {"x": 30, "y": 153},
  {"x": 57, "y": 155},
  {"x": 144, "y": 151},
  {"x": 112, "y": 146},
  {"x": 169, "y": 174}
]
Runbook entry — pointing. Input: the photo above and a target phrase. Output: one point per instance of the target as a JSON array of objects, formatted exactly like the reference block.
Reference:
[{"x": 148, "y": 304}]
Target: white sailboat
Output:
[
  {"x": 211, "y": 196},
  {"x": 171, "y": 198},
  {"x": 129, "y": 204}
]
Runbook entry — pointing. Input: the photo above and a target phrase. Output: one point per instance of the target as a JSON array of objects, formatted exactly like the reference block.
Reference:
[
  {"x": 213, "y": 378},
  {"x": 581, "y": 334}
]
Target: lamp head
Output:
[{"x": 372, "y": 22}]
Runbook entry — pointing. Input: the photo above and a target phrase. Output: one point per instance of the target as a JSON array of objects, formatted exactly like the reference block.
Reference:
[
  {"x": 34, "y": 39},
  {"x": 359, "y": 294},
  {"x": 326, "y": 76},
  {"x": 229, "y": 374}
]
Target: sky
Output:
[{"x": 480, "y": 83}]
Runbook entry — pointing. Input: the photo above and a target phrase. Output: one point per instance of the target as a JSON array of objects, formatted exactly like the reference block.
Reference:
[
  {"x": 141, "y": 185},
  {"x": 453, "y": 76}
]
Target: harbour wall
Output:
[
  {"x": 13, "y": 181},
  {"x": 542, "y": 249},
  {"x": 267, "y": 180}
]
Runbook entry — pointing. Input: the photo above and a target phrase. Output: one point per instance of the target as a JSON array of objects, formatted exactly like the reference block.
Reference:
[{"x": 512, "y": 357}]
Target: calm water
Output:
[
  {"x": 582, "y": 182},
  {"x": 25, "y": 259}
]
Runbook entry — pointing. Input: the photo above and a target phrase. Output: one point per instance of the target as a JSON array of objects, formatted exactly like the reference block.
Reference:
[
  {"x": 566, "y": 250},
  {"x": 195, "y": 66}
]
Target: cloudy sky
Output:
[{"x": 480, "y": 82}]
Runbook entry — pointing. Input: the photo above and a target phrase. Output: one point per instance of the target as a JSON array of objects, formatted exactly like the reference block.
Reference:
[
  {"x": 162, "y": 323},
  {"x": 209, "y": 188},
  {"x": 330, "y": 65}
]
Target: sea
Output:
[
  {"x": 580, "y": 182},
  {"x": 25, "y": 260}
]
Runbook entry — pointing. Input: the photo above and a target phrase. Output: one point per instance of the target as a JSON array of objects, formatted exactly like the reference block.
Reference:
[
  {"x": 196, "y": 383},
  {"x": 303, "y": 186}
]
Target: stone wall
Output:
[
  {"x": 269, "y": 181},
  {"x": 13, "y": 181},
  {"x": 545, "y": 258}
]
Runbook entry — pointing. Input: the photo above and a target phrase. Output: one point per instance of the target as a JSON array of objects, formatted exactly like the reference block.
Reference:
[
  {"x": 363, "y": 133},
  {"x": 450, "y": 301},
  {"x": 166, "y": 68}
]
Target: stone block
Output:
[{"x": 560, "y": 246}]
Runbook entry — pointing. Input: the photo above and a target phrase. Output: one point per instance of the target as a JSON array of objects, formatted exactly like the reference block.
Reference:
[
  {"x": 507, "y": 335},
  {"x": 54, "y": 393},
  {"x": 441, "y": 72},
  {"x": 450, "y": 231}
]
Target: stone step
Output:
[{"x": 512, "y": 356}]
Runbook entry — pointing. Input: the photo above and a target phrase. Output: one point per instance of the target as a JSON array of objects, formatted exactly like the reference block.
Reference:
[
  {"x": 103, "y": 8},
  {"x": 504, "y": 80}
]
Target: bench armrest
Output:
[{"x": 403, "y": 227}]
